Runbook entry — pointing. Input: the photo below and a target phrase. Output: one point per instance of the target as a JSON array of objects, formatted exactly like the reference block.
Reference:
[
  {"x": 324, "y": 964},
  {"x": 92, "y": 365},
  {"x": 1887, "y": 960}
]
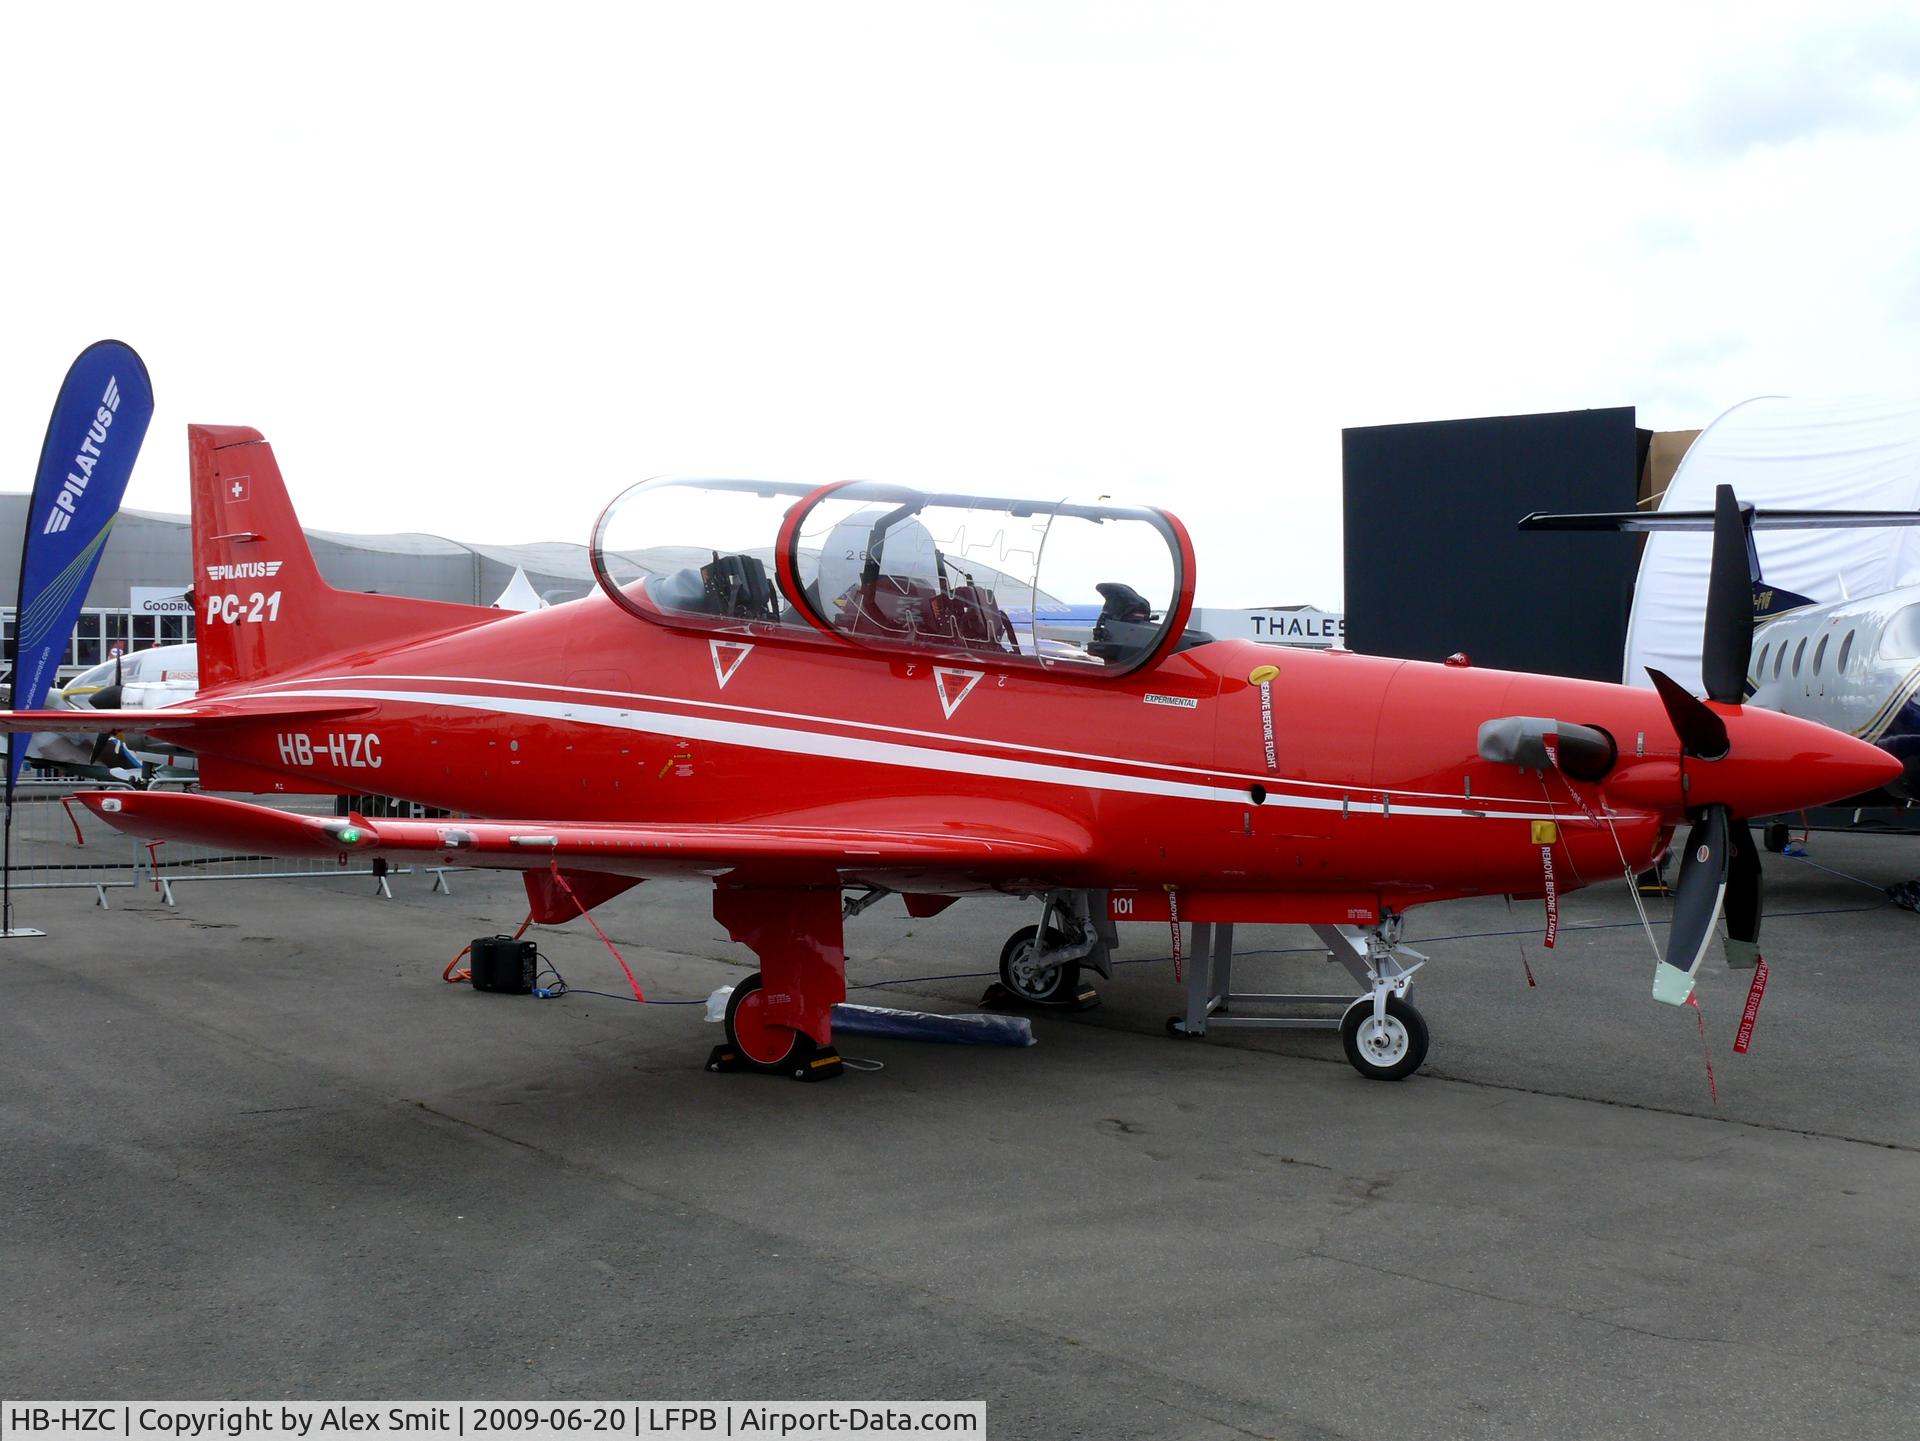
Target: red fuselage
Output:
[{"x": 1374, "y": 792}]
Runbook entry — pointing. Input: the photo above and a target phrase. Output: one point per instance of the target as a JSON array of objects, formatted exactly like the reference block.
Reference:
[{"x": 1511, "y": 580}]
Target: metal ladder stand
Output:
[{"x": 1371, "y": 957}]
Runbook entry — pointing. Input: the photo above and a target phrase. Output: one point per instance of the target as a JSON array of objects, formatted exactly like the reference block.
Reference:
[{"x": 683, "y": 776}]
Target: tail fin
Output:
[
  {"x": 1772, "y": 600},
  {"x": 260, "y": 606},
  {"x": 1768, "y": 600}
]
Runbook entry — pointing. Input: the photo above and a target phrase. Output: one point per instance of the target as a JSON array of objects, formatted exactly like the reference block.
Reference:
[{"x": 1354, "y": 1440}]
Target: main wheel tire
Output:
[
  {"x": 1036, "y": 984},
  {"x": 763, "y": 1046},
  {"x": 1386, "y": 1050}
]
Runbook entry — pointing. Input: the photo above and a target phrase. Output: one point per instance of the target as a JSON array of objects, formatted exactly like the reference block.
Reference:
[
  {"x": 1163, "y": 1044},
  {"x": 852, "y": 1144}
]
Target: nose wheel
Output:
[{"x": 1388, "y": 1046}]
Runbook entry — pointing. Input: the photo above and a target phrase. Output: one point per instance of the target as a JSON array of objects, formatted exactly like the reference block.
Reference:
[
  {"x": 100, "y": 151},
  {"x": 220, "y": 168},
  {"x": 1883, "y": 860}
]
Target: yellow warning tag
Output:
[
  {"x": 1261, "y": 674},
  {"x": 1545, "y": 833}
]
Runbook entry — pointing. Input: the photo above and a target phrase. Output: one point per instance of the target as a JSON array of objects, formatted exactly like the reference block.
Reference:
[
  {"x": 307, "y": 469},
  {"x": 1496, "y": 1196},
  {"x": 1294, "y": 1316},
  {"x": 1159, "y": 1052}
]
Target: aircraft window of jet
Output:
[
  {"x": 1799, "y": 654},
  {"x": 1901, "y": 639},
  {"x": 1779, "y": 660},
  {"x": 697, "y": 552},
  {"x": 1846, "y": 648},
  {"x": 1020, "y": 582},
  {"x": 1760, "y": 666},
  {"x": 1820, "y": 653}
]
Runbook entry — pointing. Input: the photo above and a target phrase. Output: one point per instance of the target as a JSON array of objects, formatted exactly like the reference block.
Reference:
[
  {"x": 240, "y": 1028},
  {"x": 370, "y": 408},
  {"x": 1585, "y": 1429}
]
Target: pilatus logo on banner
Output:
[
  {"x": 244, "y": 570},
  {"x": 61, "y": 516}
]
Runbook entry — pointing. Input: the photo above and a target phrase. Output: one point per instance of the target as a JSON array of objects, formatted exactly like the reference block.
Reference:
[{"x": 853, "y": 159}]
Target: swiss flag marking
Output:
[{"x": 237, "y": 488}]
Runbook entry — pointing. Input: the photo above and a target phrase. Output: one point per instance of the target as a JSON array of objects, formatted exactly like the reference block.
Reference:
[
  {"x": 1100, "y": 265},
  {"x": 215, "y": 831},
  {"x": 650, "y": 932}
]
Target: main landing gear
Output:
[
  {"x": 1040, "y": 965},
  {"x": 780, "y": 1019},
  {"x": 756, "y": 1042},
  {"x": 1383, "y": 1035},
  {"x": 1029, "y": 975}
]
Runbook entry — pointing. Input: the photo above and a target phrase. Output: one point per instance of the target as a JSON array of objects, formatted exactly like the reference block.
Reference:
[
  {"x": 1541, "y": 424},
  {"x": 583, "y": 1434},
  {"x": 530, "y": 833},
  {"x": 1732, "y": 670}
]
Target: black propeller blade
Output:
[
  {"x": 108, "y": 697},
  {"x": 1726, "y": 642},
  {"x": 1697, "y": 898},
  {"x": 1701, "y": 732},
  {"x": 1743, "y": 899}
]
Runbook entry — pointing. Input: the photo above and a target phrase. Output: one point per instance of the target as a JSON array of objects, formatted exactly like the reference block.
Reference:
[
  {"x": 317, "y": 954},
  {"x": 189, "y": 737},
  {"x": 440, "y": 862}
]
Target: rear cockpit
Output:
[{"x": 1098, "y": 588}]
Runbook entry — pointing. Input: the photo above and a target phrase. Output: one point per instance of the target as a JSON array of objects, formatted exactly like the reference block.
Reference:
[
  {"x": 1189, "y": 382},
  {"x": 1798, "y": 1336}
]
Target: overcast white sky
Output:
[{"x": 473, "y": 269}]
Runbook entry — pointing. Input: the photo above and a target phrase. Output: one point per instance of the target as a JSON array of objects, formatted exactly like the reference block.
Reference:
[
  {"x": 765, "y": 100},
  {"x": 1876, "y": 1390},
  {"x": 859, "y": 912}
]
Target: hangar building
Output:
[{"x": 138, "y": 597}]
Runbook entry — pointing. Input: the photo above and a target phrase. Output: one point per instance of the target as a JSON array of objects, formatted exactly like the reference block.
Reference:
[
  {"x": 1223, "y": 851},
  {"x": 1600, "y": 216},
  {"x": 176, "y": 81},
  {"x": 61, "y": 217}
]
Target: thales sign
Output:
[{"x": 1278, "y": 625}]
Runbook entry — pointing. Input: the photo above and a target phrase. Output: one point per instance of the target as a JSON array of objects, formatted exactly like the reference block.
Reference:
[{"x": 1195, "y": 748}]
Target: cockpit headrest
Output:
[{"x": 1122, "y": 602}]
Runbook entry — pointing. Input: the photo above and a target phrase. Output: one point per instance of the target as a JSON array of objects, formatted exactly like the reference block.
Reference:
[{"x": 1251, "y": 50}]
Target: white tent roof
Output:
[
  {"x": 1854, "y": 453},
  {"x": 519, "y": 594}
]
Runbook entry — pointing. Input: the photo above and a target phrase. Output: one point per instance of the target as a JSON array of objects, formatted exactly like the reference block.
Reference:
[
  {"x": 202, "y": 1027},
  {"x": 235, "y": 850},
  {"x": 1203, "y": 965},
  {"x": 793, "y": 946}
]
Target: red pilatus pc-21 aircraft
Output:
[{"x": 796, "y": 691}]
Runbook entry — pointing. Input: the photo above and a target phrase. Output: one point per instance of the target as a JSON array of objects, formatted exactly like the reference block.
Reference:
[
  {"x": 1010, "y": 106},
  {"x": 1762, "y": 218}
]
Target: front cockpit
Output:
[{"x": 1099, "y": 588}]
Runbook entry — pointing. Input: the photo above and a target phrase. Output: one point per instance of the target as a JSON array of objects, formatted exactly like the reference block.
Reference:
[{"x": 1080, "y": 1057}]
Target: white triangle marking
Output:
[
  {"x": 942, "y": 678},
  {"x": 727, "y": 655}
]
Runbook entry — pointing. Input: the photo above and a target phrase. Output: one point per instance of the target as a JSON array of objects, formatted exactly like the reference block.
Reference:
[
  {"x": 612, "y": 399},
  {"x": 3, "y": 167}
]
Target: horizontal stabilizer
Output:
[{"x": 1702, "y": 520}]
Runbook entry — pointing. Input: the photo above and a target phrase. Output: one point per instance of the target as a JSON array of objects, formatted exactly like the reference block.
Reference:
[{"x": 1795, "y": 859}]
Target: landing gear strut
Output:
[
  {"x": 1384, "y": 1037},
  {"x": 1041, "y": 965},
  {"x": 780, "y": 1019}
]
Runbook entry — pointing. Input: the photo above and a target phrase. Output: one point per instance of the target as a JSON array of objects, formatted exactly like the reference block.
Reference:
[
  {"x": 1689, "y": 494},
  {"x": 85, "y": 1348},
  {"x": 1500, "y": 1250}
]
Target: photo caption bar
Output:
[{"x": 310, "y": 1420}]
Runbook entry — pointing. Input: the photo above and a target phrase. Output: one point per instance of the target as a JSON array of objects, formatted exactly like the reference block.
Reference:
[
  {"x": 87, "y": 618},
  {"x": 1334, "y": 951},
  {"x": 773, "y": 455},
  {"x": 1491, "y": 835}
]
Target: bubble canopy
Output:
[{"x": 1098, "y": 589}]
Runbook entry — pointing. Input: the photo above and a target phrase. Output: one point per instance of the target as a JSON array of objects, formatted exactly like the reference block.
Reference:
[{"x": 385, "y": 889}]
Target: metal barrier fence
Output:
[{"x": 58, "y": 844}]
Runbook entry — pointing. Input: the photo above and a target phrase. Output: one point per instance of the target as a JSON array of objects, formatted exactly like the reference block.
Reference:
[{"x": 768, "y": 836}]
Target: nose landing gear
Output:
[
  {"x": 1388, "y": 1046},
  {"x": 1383, "y": 1035}
]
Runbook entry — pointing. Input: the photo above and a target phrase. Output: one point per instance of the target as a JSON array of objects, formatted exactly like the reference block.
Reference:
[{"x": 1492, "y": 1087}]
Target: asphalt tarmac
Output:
[{"x": 252, "y": 1147}]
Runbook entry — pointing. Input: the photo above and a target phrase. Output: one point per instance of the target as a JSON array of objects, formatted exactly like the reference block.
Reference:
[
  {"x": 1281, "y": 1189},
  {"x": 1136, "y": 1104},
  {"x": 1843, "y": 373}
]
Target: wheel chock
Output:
[
  {"x": 997, "y": 997},
  {"x": 820, "y": 1064},
  {"x": 823, "y": 1064}
]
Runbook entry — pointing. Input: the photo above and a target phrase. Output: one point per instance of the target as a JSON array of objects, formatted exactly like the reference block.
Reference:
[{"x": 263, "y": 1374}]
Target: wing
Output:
[
  {"x": 1034, "y": 844},
  {"x": 192, "y": 714}
]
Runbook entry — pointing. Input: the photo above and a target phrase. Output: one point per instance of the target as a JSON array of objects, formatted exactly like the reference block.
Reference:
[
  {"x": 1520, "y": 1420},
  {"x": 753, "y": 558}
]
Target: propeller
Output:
[
  {"x": 106, "y": 746},
  {"x": 108, "y": 697},
  {"x": 1726, "y": 643},
  {"x": 1743, "y": 900},
  {"x": 1697, "y": 898},
  {"x": 1702, "y": 733},
  {"x": 1720, "y": 868}
]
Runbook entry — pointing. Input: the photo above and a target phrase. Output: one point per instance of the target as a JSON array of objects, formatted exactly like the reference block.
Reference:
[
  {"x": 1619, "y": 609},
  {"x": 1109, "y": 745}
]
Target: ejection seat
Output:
[
  {"x": 734, "y": 586},
  {"x": 1126, "y": 629}
]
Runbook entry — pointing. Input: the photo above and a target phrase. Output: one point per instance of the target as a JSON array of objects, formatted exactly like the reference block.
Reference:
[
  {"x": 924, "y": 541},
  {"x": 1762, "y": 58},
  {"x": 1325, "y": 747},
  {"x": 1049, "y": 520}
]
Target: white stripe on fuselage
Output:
[
  {"x": 815, "y": 743},
  {"x": 1269, "y": 781}
]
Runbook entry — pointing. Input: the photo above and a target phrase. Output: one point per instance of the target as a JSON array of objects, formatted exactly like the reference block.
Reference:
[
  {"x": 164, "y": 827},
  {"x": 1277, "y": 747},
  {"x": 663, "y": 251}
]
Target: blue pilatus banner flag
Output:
[{"x": 92, "y": 441}]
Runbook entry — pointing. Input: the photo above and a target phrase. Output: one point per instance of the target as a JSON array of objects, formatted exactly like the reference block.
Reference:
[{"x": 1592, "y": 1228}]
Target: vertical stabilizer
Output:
[{"x": 260, "y": 606}]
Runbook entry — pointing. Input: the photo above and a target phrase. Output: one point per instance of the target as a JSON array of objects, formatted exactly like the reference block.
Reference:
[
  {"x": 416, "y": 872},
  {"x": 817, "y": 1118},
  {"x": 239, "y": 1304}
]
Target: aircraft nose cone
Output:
[
  {"x": 1882, "y": 768},
  {"x": 1850, "y": 767},
  {"x": 1778, "y": 763}
]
